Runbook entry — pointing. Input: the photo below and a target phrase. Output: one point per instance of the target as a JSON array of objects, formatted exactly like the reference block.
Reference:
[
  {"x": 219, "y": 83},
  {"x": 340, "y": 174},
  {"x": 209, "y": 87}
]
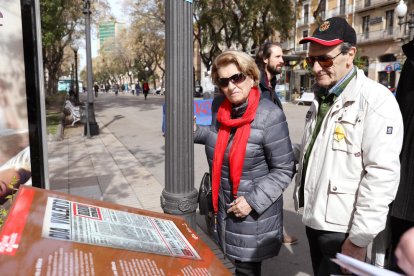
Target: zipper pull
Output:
[{"x": 215, "y": 223}]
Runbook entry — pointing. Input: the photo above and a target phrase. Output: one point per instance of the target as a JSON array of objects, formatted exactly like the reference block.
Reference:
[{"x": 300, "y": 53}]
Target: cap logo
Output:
[{"x": 325, "y": 25}]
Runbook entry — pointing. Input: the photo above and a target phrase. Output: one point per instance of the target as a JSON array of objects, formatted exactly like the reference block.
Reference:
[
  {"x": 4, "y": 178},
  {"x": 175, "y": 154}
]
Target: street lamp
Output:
[
  {"x": 130, "y": 80},
  {"x": 92, "y": 127},
  {"x": 401, "y": 11},
  {"x": 75, "y": 49},
  {"x": 146, "y": 73},
  {"x": 179, "y": 196}
]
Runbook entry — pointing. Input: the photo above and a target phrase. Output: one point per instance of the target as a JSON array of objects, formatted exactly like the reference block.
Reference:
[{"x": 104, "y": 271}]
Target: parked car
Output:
[{"x": 198, "y": 91}]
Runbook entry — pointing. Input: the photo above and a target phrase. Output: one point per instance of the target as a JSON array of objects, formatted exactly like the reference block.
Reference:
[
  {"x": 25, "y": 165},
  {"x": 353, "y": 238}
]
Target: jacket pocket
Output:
[{"x": 341, "y": 201}]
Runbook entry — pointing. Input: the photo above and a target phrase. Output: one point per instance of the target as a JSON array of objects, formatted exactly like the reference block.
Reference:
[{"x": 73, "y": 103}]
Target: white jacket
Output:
[{"x": 354, "y": 169}]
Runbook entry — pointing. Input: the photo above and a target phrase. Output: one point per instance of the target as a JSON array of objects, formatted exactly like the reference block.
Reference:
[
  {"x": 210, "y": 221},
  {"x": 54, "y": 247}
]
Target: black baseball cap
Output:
[{"x": 331, "y": 32}]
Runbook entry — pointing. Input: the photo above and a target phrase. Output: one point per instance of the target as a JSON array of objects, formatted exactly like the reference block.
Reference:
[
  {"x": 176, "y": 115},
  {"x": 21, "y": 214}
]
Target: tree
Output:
[
  {"x": 240, "y": 24},
  {"x": 148, "y": 38},
  {"x": 61, "y": 22}
]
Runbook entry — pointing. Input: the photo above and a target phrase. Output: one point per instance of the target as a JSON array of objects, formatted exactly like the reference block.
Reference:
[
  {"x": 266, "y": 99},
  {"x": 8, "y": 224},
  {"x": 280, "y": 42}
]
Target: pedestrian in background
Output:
[
  {"x": 402, "y": 212},
  {"x": 145, "y": 89},
  {"x": 250, "y": 156},
  {"x": 137, "y": 88},
  {"x": 270, "y": 61},
  {"x": 349, "y": 165},
  {"x": 96, "y": 88}
]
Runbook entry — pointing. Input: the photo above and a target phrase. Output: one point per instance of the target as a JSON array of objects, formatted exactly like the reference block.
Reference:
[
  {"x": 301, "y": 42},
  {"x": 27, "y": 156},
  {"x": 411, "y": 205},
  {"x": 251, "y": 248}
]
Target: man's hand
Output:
[
  {"x": 240, "y": 207},
  {"x": 354, "y": 251},
  {"x": 405, "y": 252}
]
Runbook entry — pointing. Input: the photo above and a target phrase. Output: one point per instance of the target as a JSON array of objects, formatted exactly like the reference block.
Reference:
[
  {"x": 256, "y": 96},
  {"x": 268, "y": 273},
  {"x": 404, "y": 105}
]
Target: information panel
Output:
[
  {"x": 74, "y": 221},
  {"x": 51, "y": 233}
]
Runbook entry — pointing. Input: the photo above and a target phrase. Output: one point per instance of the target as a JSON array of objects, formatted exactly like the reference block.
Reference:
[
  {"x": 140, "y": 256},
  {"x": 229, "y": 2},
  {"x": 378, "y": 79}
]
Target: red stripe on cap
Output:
[
  {"x": 321, "y": 41},
  {"x": 12, "y": 230}
]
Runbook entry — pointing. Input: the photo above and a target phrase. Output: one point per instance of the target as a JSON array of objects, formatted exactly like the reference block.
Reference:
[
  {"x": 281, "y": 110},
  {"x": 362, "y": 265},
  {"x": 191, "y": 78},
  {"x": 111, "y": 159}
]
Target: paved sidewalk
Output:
[{"x": 102, "y": 168}]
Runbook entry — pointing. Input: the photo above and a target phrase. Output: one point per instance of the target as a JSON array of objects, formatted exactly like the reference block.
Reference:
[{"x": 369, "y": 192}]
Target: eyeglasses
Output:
[
  {"x": 235, "y": 79},
  {"x": 324, "y": 60}
]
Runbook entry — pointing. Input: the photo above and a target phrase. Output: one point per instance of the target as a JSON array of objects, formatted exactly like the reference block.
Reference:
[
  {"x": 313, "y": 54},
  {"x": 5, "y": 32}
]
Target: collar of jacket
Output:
[
  {"x": 238, "y": 111},
  {"x": 265, "y": 83}
]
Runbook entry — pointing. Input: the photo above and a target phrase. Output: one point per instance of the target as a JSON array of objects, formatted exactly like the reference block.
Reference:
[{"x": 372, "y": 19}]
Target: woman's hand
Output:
[{"x": 240, "y": 207}]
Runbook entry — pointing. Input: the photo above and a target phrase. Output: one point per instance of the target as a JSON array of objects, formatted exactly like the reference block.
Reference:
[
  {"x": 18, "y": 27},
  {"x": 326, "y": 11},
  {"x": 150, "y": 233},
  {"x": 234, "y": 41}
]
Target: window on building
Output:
[
  {"x": 367, "y": 3},
  {"x": 306, "y": 14},
  {"x": 389, "y": 21},
  {"x": 323, "y": 9},
  {"x": 387, "y": 58},
  {"x": 305, "y": 46},
  {"x": 342, "y": 7},
  {"x": 365, "y": 26}
]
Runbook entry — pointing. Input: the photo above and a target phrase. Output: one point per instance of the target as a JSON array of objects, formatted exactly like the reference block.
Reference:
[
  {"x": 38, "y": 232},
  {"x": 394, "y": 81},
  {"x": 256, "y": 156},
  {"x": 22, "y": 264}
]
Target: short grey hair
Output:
[{"x": 345, "y": 47}]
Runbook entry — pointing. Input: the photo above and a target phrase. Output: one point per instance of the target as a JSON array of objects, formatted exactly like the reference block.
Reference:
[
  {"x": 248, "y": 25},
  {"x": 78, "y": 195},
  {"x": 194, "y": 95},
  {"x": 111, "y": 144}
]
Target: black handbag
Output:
[{"x": 205, "y": 201}]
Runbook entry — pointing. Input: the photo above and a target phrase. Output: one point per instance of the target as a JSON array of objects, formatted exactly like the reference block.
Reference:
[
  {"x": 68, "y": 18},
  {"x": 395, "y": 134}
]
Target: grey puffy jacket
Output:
[{"x": 267, "y": 171}]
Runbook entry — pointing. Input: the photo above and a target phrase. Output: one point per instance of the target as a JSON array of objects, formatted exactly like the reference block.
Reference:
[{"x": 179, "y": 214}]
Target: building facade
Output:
[
  {"x": 107, "y": 34},
  {"x": 379, "y": 36}
]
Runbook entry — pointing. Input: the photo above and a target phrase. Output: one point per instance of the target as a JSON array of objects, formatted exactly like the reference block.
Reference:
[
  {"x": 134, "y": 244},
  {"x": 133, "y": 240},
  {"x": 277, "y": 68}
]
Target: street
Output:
[{"x": 137, "y": 125}]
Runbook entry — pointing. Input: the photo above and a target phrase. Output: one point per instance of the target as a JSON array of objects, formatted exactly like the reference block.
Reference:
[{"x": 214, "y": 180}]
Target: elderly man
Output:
[{"x": 349, "y": 165}]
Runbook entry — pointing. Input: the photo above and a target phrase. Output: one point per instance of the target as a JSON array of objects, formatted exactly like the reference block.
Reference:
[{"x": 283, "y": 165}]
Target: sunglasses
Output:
[
  {"x": 235, "y": 79},
  {"x": 324, "y": 60}
]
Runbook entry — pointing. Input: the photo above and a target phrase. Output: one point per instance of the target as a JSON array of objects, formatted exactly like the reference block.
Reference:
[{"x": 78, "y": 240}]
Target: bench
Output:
[
  {"x": 307, "y": 97},
  {"x": 74, "y": 111}
]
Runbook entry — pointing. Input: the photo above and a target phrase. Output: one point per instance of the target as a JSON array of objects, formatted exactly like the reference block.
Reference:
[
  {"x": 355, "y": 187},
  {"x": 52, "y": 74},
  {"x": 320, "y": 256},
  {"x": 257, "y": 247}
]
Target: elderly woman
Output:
[{"x": 251, "y": 160}]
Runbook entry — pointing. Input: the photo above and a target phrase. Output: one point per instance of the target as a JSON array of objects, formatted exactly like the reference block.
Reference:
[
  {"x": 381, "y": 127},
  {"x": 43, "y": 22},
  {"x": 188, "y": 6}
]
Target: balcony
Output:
[
  {"x": 302, "y": 49},
  {"x": 376, "y": 36},
  {"x": 288, "y": 44},
  {"x": 339, "y": 11},
  {"x": 363, "y": 5},
  {"x": 302, "y": 22}
]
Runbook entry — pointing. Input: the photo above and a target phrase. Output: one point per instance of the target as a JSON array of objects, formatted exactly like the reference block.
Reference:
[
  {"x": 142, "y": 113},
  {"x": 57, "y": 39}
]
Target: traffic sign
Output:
[
  {"x": 388, "y": 68},
  {"x": 397, "y": 66}
]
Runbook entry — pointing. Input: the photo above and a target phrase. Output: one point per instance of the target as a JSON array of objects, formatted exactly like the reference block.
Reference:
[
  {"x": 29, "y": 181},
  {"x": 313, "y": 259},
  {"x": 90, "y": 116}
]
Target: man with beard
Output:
[{"x": 269, "y": 59}]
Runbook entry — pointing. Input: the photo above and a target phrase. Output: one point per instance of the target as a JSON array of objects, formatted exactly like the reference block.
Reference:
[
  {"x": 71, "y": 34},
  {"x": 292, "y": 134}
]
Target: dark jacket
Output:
[
  {"x": 267, "y": 171},
  {"x": 268, "y": 92},
  {"x": 403, "y": 206}
]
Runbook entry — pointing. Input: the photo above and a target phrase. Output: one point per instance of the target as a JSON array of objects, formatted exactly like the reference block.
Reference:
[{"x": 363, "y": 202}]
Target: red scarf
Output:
[{"x": 238, "y": 149}]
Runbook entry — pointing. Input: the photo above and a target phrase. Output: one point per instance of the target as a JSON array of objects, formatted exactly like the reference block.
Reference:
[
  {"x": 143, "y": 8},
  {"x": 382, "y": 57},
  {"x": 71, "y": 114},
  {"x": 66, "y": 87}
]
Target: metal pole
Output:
[
  {"x": 179, "y": 196},
  {"x": 72, "y": 77},
  {"x": 76, "y": 76},
  {"x": 411, "y": 26},
  {"x": 92, "y": 127}
]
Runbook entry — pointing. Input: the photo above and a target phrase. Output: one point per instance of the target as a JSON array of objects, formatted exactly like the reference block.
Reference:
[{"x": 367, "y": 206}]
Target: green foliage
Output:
[
  {"x": 241, "y": 24},
  {"x": 59, "y": 20},
  {"x": 3, "y": 210},
  {"x": 360, "y": 62},
  {"x": 3, "y": 215}
]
